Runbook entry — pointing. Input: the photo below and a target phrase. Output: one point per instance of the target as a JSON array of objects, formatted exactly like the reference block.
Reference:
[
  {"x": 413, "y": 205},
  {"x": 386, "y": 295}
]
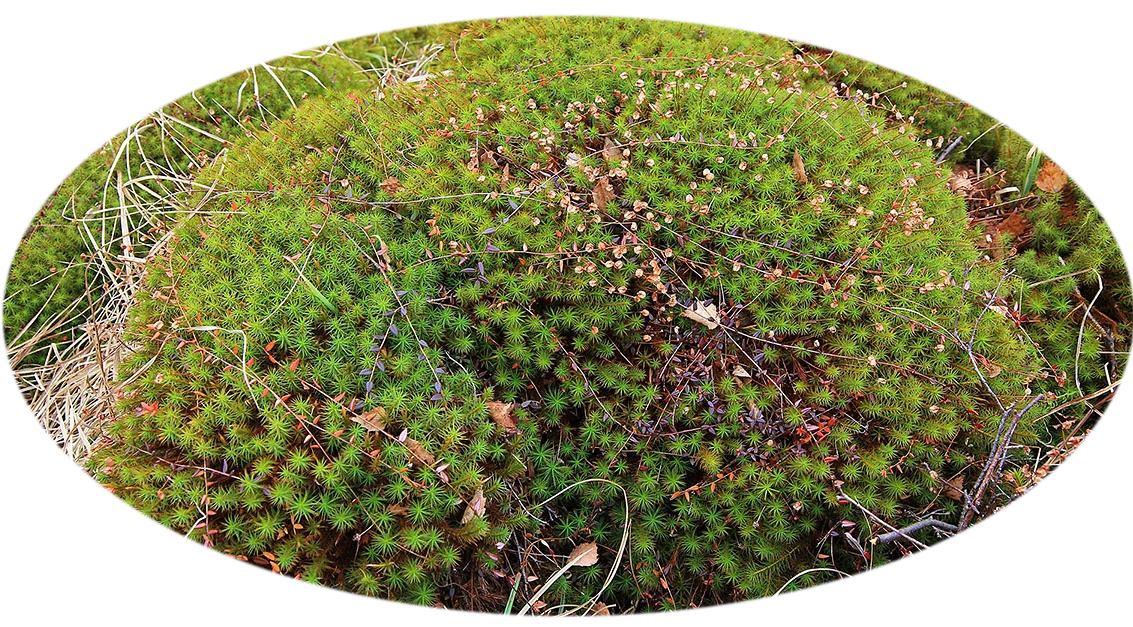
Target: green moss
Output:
[{"x": 422, "y": 257}]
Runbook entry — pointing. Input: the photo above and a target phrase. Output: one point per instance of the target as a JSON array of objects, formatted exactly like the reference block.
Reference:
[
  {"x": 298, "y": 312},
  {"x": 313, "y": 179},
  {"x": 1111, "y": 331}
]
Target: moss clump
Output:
[{"x": 726, "y": 296}]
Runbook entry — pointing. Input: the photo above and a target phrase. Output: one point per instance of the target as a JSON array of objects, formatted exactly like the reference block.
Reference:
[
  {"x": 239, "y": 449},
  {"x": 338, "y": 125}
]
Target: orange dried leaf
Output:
[
  {"x": 501, "y": 414},
  {"x": 1051, "y": 178},
  {"x": 391, "y": 185}
]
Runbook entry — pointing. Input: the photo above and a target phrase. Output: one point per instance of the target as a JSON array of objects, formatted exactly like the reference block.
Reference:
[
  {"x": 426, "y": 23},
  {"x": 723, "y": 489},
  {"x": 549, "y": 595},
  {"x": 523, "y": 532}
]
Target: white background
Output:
[{"x": 73, "y": 76}]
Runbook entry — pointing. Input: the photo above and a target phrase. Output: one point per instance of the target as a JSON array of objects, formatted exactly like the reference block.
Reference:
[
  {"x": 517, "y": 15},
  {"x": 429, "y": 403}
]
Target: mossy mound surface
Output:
[{"x": 450, "y": 331}]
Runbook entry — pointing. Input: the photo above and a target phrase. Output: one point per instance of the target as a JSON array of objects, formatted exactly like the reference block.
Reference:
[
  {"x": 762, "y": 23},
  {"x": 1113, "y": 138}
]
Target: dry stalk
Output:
[{"x": 73, "y": 392}]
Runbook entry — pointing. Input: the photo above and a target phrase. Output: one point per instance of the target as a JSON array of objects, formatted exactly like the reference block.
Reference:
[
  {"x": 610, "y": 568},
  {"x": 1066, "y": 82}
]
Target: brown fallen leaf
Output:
[
  {"x": 603, "y": 193},
  {"x": 704, "y": 314},
  {"x": 397, "y": 510},
  {"x": 501, "y": 414},
  {"x": 505, "y": 176},
  {"x": 391, "y": 185},
  {"x": 954, "y": 492},
  {"x": 585, "y": 554},
  {"x": 373, "y": 420},
  {"x": 1015, "y": 225},
  {"x": 740, "y": 371},
  {"x": 599, "y": 609},
  {"x": 475, "y": 507},
  {"x": 611, "y": 151},
  {"x": 1051, "y": 178},
  {"x": 963, "y": 182},
  {"x": 799, "y": 168},
  {"x": 573, "y": 160},
  {"x": 419, "y": 452},
  {"x": 990, "y": 369}
]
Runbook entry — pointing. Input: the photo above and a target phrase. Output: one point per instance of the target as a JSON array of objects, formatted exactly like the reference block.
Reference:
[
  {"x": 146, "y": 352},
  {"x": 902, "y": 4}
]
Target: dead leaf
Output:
[
  {"x": 419, "y": 452},
  {"x": 1051, "y": 178},
  {"x": 573, "y": 160},
  {"x": 599, "y": 609},
  {"x": 397, "y": 510},
  {"x": 373, "y": 420},
  {"x": 611, "y": 151},
  {"x": 585, "y": 554},
  {"x": 475, "y": 507},
  {"x": 990, "y": 369},
  {"x": 704, "y": 314},
  {"x": 505, "y": 176},
  {"x": 391, "y": 185},
  {"x": 799, "y": 168},
  {"x": 603, "y": 193},
  {"x": 740, "y": 371},
  {"x": 1015, "y": 224},
  {"x": 963, "y": 182},
  {"x": 501, "y": 414},
  {"x": 954, "y": 492}
]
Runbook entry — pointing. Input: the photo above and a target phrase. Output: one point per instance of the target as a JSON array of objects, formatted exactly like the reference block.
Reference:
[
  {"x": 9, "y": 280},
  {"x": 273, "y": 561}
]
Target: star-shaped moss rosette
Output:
[{"x": 650, "y": 316}]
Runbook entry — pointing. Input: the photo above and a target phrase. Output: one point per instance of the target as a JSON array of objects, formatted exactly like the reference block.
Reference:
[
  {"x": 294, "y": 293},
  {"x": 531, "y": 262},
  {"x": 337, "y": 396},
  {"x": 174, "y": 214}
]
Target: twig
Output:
[
  {"x": 881, "y": 522},
  {"x": 995, "y": 460},
  {"x": 949, "y": 149},
  {"x": 917, "y": 526}
]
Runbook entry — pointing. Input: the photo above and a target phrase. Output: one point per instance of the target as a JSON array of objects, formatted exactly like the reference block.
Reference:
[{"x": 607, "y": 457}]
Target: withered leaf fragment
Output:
[
  {"x": 373, "y": 420},
  {"x": 704, "y": 314},
  {"x": 1051, "y": 178},
  {"x": 603, "y": 193},
  {"x": 501, "y": 414},
  {"x": 419, "y": 452},
  {"x": 475, "y": 506},
  {"x": 585, "y": 554},
  {"x": 799, "y": 168},
  {"x": 954, "y": 492},
  {"x": 610, "y": 151},
  {"x": 391, "y": 185}
]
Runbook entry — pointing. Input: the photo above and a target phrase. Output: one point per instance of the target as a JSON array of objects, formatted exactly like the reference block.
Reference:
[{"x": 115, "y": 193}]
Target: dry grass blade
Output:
[
  {"x": 623, "y": 547},
  {"x": 72, "y": 393}
]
